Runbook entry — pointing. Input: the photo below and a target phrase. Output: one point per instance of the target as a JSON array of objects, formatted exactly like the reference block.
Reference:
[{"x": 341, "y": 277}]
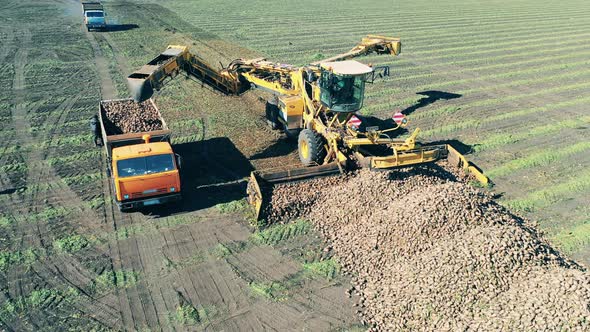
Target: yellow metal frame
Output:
[{"x": 458, "y": 160}]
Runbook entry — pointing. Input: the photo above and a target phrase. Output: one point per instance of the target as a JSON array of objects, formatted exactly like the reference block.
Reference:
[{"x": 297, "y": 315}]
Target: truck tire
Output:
[{"x": 311, "y": 148}]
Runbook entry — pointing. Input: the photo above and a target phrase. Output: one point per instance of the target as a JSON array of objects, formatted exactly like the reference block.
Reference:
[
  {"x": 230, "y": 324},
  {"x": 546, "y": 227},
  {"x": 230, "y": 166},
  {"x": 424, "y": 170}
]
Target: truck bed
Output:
[
  {"x": 113, "y": 137},
  {"x": 87, "y": 6}
]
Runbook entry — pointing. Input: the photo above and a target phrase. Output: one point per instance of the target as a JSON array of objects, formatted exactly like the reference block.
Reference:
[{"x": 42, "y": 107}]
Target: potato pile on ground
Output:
[
  {"x": 130, "y": 117},
  {"x": 429, "y": 252}
]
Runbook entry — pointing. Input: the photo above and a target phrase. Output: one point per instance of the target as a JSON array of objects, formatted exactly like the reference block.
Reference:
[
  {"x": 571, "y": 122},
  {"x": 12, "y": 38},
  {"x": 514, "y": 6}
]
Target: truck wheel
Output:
[
  {"x": 311, "y": 148},
  {"x": 272, "y": 115}
]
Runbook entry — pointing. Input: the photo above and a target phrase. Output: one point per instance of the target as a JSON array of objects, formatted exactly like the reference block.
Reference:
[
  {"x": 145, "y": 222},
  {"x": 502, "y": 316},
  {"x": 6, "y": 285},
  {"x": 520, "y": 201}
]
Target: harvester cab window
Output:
[
  {"x": 342, "y": 93},
  {"x": 145, "y": 165}
]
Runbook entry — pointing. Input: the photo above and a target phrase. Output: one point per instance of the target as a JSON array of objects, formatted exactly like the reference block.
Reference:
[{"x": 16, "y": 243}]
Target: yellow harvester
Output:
[{"x": 316, "y": 103}]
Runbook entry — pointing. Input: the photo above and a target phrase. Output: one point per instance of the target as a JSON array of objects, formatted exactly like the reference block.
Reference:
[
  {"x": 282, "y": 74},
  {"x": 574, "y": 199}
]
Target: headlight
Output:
[
  {"x": 125, "y": 196},
  {"x": 172, "y": 189}
]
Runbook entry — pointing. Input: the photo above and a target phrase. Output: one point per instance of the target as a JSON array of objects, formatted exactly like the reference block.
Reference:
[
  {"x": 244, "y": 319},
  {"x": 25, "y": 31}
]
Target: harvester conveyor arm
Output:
[
  {"x": 369, "y": 44},
  {"x": 167, "y": 65}
]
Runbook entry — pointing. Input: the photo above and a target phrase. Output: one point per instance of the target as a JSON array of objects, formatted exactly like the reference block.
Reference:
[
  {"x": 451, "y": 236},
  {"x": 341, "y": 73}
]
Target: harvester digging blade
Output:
[
  {"x": 260, "y": 180},
  {"x": 458, "y": 160}
]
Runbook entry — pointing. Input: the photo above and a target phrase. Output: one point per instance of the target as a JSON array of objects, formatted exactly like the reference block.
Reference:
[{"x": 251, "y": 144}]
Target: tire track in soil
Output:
[
  {"x": 32, "y": 202},
  {"x": 127, "y": 298},
  {"x": 149, "y": 246},
  {"x": 106, "y": 83},
  {"x": 213, "y": 282},
  {"x": 7, "y": 42},
  {"x": 132, "y": 301},
  {"x": 16, "y": 289}
]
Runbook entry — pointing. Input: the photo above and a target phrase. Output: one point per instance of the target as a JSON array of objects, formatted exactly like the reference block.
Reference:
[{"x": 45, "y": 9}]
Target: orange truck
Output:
[{"x": 144, "y": 169}]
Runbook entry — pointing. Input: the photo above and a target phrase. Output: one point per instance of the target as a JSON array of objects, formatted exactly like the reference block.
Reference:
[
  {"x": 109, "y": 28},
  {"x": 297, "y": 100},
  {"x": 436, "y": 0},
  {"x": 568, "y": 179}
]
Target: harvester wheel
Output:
[{"x": 311, "y": 148}]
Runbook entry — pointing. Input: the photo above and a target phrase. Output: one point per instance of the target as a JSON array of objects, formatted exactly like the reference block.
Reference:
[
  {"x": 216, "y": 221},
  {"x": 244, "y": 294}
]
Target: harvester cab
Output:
[{"x": 342, "y": 85}]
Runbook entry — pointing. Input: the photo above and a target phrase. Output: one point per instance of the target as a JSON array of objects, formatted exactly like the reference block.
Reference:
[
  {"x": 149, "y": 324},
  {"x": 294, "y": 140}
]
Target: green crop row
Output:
[
  {"x": 498, "y": 140},
  {"x": 149, "y": 227},
  {"x": 472, "y": 61},
  {"x": 473, "y": 123},
  {"x": 189, "y": 315},
  {"x": 333, "y": 32},
  {"x": 536, "y": 94},
  {"x": 278, "y": 233},
  {"x": 114, "y": 279},
  {"x": 16, "y": 167},
  {"x": 9, "y": 259},
  {"x": 38, "y": 298},
  {"x": 540, "y": 63},
  {"x": 546, "y": 70},
  {"x": 72, "y": 243},
  {"x": 453, "y": 51},
  {"x": 578, "y": 183},
  {"x": 571, "y": 240},
  {"x": 484, "y": 65},
  {"x": 380, "y": 106},
  {"x": 542, "y": 158},
  {"x": 82, "y": 179},
  {"x": 328, "y": 268},
  {"x": 232, "y": 206},
  {"x": 48, "y": 214},
  {"x": 74, "y": 157},
  {"x": 273, "y": 291}
]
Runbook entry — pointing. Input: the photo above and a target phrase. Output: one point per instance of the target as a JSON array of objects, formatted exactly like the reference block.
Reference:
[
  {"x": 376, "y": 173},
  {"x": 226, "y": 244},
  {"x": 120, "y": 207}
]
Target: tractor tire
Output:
[{"x": 311, "y": 148}]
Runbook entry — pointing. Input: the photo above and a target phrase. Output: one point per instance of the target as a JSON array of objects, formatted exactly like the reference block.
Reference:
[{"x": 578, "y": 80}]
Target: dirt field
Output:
[
  {"x": 507, "y": 80},
  {"x": 70, "y": 260}
]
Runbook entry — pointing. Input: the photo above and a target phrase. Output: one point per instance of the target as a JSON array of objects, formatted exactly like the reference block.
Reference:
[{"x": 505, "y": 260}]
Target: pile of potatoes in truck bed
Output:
[
  {"x": 127, "y": 116},
  {"x": 426, "y": 251}
]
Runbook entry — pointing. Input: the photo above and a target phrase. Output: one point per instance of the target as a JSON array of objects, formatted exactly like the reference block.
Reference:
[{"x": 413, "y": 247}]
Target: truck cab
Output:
[
  {"x": 94, "y": 15},
  {"x": 145, "y": 174}
]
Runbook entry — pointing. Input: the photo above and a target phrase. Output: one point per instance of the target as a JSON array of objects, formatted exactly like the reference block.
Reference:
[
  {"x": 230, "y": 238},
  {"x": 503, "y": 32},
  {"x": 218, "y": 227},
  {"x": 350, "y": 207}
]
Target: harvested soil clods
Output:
[
  {"x": 128, "y": 116},
  {"x": 427, "y": 252}
]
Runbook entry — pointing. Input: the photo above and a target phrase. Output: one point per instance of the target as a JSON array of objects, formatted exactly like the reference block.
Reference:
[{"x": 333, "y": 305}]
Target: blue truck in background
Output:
[{"x": 94, "y": 16}]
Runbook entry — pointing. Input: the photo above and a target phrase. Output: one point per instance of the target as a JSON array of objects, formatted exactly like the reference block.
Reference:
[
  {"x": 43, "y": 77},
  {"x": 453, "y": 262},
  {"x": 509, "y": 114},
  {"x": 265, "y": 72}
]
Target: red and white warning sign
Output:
[
  {"x": 399, "y": 118},
  {"x": 354, "y": 121}
]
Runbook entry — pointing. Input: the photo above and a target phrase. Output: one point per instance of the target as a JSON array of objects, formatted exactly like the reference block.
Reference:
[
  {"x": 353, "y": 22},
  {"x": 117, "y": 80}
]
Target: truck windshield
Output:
[
  {"x": 145, "y": 165},
  {"x": 94, "y": 14}
]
